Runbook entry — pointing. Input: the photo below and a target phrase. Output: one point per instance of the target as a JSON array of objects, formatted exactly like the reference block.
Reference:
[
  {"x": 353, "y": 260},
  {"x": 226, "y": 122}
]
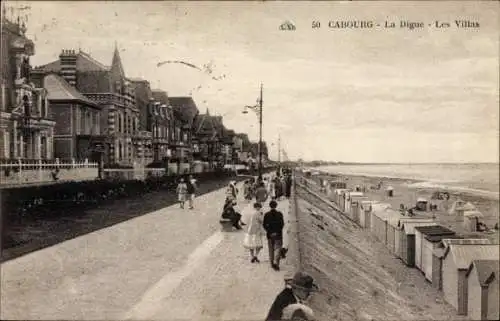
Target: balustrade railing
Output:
[{"x": 28, "y": 171}]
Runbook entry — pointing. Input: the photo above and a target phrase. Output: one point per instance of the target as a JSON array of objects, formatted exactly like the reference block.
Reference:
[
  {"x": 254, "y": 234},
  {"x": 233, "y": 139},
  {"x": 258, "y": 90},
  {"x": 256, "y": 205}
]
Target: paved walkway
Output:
[{"x": 170, "y": 264}]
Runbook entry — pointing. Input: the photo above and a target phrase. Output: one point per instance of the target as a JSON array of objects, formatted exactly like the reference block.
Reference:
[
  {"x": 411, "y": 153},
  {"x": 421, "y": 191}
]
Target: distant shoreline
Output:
[
  {"x": 438, "y": 163},
  {"x": 424, "y": 184}
]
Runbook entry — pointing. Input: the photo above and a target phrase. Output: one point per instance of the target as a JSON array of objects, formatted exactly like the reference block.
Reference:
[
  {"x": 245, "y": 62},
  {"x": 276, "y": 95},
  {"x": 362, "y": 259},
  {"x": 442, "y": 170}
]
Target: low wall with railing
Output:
[{"x": 22, "y": 171}]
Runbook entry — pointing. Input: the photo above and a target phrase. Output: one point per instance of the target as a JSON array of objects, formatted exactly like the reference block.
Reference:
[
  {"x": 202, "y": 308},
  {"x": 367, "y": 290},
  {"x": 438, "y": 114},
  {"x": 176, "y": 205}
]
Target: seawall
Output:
[{"x": 358, "y": 278}]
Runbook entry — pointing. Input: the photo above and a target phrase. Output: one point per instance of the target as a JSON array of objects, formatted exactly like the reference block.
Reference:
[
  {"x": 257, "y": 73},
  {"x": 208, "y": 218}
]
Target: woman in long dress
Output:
[{"x": 253, "y": 236}]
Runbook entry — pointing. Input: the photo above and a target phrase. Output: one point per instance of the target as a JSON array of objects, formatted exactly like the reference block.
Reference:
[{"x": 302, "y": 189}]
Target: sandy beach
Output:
[{"x": 407, "y": 191}]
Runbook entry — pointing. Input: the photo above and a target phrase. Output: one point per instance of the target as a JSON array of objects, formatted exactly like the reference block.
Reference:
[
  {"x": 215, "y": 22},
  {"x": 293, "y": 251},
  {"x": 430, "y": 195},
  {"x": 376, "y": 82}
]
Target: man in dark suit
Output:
[
  {"x": 273, "y": 224},
  {"x": 297, "y": 290}
]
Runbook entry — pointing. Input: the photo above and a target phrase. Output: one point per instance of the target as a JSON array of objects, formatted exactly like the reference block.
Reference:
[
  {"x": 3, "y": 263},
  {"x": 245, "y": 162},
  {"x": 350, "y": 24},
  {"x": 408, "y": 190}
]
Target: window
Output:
[
  {"x": 43, "y": 108},
  {"x": 98, "y": 123},
  {"x": 4, "y": 100},
  {"x": 185, "y": 138},
  {"x": 88, "y": 122},
  {"x": 77, "y": 120},
  {"x": 119, "y": 122},
  {"x": 82, "y": 120}
]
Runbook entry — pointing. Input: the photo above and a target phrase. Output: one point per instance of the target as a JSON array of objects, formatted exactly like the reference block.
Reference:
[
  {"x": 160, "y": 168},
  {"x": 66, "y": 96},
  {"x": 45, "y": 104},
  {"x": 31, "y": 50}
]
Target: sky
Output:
[{"x": 352, "y": 95}]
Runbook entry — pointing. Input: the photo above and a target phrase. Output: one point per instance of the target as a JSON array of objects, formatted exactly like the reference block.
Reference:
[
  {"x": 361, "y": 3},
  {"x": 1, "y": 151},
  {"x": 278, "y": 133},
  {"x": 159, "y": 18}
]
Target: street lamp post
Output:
[{"x": 258, "y": 110}]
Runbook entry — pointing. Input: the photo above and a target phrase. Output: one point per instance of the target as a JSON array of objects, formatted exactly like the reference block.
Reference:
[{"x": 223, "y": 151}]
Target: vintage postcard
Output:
[{"x": 249, "y": 160}]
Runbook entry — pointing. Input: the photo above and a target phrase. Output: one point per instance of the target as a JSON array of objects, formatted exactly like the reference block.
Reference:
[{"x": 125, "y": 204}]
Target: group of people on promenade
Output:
[
  {"x": 270, "y": 224},
  {"x": 186, "y": 191},
  {"x": 289, "y": 303}
]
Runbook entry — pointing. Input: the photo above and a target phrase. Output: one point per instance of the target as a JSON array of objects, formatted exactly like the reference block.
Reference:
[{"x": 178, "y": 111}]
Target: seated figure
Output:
[{"x": 229, "y": 213}]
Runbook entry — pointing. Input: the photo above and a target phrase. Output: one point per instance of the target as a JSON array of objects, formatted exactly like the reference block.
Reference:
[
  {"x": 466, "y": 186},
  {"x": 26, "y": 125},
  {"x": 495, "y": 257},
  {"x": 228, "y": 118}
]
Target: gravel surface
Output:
[
  {"x": 170, "y": 264},
  {"x": 28, "y": 234}
]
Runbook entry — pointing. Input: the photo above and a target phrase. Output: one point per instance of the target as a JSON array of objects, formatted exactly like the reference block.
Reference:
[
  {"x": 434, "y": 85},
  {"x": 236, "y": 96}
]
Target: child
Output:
[{"x": 182, "y": 192}]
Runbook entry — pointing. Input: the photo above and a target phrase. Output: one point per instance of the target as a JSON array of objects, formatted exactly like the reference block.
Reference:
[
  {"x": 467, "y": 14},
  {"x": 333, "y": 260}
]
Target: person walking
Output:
[
  {"x": 273, "y": 224},
  {"x": 288, "y": 185},
  {"x": 289, "y": 305},
  {"x": 261, "y": 194},
  {"x": 191, "y": 190},
  {"x": 253, "y": 236},
  {"x": 232, "y": 191},
  {"x": 272, "y": 189},
  {"x": 182, "y": 192}
]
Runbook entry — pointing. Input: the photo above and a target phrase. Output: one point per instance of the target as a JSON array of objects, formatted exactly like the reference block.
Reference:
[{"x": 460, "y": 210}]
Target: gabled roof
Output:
[
  {"x": 203, "y": 124},
  {"x": 97, "y": 81},
  {"x": 84, "y": 62},
  {"x": 116, "y": 65},
  {"x": 185, "y": 108},
  {"x": 463, "y": 254},
  {"x": 161, "y": 96},
  {"x": 446, "y": 241},
  {"x": 439, "y": 238},
  {"x": 486, "y": 270},
  {"x": 434, "y": 230},
  {"x": 409, "y": 226},
  {"x": 59, "y": 90}
]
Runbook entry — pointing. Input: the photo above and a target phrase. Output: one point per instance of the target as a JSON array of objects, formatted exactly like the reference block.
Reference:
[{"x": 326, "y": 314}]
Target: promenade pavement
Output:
[{"x": 171, "y": 264}]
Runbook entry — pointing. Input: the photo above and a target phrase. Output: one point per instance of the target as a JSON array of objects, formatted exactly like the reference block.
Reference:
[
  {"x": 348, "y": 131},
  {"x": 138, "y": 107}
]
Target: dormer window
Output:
[
  {"x": 26, "y": 104},
  {"x": 43, "y": 108},
  {"x": 118, "y": 87}
]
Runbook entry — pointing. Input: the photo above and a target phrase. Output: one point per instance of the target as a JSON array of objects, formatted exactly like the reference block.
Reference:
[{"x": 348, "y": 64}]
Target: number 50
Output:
[{"x": 316, "y": 24}]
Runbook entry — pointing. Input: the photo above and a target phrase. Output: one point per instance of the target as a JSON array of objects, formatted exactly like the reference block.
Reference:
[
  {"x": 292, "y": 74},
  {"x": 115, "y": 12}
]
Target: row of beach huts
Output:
[{"x": 466, "y": 270}]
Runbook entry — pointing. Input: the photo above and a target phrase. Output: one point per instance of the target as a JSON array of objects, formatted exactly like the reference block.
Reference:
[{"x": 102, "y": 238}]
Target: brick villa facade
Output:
[
  {"x": 113, "y": 92},
  {"x": 26, "y": 122}
]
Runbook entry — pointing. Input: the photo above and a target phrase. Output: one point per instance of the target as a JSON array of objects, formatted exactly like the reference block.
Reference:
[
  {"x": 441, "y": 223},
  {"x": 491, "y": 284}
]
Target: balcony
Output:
[
  {"x": 160, "y": 140},
  {"x": 29, "y": 122},
  {"x": 111, "y": 98}
]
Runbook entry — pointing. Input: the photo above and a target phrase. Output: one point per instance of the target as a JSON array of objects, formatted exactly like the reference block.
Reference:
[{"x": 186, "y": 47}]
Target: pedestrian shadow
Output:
[{"x": 23, "y": 235}]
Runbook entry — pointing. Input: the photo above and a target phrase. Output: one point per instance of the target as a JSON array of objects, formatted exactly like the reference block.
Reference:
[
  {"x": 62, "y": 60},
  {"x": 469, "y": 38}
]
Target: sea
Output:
[{"x": 478, "y": 179}]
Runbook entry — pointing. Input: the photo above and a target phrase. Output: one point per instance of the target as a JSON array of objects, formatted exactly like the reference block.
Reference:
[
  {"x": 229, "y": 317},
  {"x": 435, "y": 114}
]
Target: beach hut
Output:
[
  {"x": 337, "y": 185},
  {"x": 393, "y": 218},
  {"x": 340, "y": 197},
  {"x": 407, "y": 238},
  {"x": 389, "y": 191},
  {"x": 420, "y": 233},
  {"x": 429, "y": 244},
  {"x": 471, "y": 220},
  {"x": 365, "y": 214},
  {"x": 438, "y": 253},
  {"x": 355, "y": 205},
  {"x": 456, "y": 262},
  {"x": 459, "y": 207},
  {"x": 348, "y": 201},
  {"x": 421, "y": 204},
  {"x": 483, "y": 278},
  {"x": 379, "y": 217}
]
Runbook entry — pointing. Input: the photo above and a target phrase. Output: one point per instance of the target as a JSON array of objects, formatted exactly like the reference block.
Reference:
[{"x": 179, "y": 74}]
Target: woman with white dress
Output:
[{"x": 253, "y": 236}]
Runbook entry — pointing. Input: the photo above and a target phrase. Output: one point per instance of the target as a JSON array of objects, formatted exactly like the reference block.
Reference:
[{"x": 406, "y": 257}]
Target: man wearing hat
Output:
[{"x": 289, "y": 301}]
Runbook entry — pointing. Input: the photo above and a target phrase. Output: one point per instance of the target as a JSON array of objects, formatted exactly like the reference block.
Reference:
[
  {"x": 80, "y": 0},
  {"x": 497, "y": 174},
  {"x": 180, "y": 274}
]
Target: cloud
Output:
[{"x": 340, "y": 94}]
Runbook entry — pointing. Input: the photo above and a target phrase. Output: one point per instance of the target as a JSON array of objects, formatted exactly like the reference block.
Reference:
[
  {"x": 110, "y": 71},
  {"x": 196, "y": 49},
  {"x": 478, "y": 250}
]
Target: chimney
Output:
[{"x": 68, "y": 66}]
